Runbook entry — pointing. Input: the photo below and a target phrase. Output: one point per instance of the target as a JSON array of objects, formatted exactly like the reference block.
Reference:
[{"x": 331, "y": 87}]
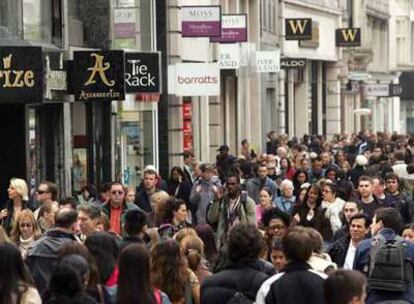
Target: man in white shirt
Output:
[{"x": 342, "y": 252}]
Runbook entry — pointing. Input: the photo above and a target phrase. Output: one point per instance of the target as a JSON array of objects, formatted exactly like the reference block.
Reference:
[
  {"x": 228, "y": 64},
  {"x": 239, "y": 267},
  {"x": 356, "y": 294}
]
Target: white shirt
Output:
[{"x": 350, "y": 256}]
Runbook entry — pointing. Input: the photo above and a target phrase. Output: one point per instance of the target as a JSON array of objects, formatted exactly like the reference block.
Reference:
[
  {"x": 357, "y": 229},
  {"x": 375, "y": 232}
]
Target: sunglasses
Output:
[
  {"x": 25, "y": 225},
  {"x": 117, "y": 192},
  {"x": 41, "y": 191}
]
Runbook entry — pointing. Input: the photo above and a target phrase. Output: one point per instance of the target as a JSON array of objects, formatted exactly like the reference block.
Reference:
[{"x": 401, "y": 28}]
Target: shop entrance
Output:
[{"x": 13, "y": 162}]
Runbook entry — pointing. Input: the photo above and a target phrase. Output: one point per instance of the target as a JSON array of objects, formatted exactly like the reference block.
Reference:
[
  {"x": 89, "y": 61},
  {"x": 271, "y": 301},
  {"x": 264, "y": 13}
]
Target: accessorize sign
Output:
[
  {"x": 142, "y": 72},
  {"x": 298, "y": 29},
  {"x": 21, "y": 75},
  {"x": 268, "y": 61},
  {"x": 98, "y": 75},
  {"x": 347, "y": 37},
  {"x": 201, "y": 21},
  {"x": 233, "y": 29},
  {"x": 194, "y": 79}
]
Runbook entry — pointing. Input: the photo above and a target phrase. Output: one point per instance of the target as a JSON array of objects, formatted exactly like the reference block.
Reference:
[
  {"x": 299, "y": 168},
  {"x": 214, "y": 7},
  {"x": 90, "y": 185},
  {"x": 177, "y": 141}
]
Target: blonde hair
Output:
[
  {"x": 3, "y": 236},
  {"x": 21, "y": 187},
  {"x": 24, "y": 214}
]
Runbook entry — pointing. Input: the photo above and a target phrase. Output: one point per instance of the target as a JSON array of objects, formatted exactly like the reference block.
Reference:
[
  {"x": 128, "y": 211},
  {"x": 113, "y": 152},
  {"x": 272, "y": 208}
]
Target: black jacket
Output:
[
  {"x": 297, "y": 284},
  {"x": 338, "y": 251},
  {"x": 42, "y": 258},
  {"x": 222, "y": 286}
]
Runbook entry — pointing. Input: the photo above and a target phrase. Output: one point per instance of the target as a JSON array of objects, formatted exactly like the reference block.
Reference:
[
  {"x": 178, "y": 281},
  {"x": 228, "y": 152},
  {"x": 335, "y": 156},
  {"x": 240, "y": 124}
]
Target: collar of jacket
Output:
[
  {"x": 296, "y": 266},
  {"x": 58, "y": 233}
]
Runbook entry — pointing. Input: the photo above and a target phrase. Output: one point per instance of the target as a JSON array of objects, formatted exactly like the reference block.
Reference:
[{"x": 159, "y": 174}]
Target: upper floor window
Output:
[{"x": 10, "y": 19}]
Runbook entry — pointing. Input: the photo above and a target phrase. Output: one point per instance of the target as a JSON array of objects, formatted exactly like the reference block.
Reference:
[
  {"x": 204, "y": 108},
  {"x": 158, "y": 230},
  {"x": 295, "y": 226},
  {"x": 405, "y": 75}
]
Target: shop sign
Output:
[
  {"x": 98, "y": 75},
  {"x": 292, "y": 63},
  {"x": 201, "y": 21},
  {"x": 348, "y": 37},
  {"x": 142, "y": 72},
  {"x": 359, "y": 76},
  {"x": 56, "y": 80},
  {"x": 21, "y": 74},
  {"x": 229, "y": 56},
  {"x": 395, "y": 90},
  {"x": 379, "y": 89},
  {"x": 187, "y": 111},
  {"x": 124, "y": 22},
  {"x": 195, "y": 79},
  {"x": 187, "y": 126},
  {"x": 233, "y": 29},
  {"x": 268, "y": 61},
  {"x": 314, "y": 41},
  {"x": 298, "y": 28}
]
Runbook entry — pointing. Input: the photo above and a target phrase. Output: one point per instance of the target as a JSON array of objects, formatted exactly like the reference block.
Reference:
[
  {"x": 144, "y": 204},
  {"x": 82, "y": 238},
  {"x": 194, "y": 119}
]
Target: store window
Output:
[
  {"x": 10, "y": 19},
  {"x": 42, "y": 21}
]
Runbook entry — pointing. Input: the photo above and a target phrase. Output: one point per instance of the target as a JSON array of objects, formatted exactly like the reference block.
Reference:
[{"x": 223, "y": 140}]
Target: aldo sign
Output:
[
  {"x": 21, "y": 75},
  {"x": 98, "y": 75},
  {"x": 142, "y": 72}
]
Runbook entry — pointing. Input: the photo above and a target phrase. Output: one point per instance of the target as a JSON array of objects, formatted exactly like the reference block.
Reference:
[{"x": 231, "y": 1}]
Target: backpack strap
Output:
[{"x": 376, "y": 244}]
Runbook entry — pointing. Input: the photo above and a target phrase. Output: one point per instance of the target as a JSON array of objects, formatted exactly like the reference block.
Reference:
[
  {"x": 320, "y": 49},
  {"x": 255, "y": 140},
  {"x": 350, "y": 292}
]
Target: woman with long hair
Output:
[
  {"x": 104, "y": 249},
  {"x": 169, "y": 272},
  {"x": 134, "y": 270},
  {"x": 25, "y": 231},
  {"x": 18, "y": 200},
  {"x": 16, "y": 284},
  {"x": 287, "y": 169},
  {"x": 311, "y": 214},
  {"x": 178, "y": 184},
  {"x": 301, "y": 177},
  {"x": 265, "y": 203},
  {"x": 206, "y": 234},
  {"x": 193, "y": 249},
  {"x": 176, "y": 214}
]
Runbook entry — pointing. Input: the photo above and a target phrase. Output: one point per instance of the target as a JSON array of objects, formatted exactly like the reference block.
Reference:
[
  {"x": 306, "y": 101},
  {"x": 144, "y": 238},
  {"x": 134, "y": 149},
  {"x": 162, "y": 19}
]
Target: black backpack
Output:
[
  {"x": 240, "y": 298},
  {"x": 389, "y": 267}
]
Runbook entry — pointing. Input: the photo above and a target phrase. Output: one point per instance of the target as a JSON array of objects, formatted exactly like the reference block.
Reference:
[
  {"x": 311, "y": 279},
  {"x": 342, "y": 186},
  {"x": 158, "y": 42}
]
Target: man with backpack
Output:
[{"x": 387, "y": 260}]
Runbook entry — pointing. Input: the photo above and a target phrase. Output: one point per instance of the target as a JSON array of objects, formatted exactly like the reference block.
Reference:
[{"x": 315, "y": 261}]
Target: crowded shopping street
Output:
[{"x": 206, "y": 151}]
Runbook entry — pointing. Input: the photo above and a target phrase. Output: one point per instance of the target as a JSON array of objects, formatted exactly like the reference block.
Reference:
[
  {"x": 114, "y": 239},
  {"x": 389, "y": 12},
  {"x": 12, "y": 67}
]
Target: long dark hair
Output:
[
  {"x": 104, "y": 249},
  {"x": 172, "y": 206},
  {"x": 134, "y": 271},
  {"x": 206, "y": 234},
  {"x": 180, "y": 171},
  {"x": 13, "y": 274}
]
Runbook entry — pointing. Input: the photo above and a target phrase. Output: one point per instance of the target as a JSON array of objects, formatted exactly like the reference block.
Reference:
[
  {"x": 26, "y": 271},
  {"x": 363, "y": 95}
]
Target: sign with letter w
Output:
[
  {"x": 298, "y": 29},
  {"x": 347, "y": 37}
]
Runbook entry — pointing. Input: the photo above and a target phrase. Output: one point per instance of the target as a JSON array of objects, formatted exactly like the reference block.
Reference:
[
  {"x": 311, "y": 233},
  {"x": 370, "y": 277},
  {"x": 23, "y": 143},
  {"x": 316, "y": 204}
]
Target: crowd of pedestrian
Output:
[{"x": 308, "y": 221}]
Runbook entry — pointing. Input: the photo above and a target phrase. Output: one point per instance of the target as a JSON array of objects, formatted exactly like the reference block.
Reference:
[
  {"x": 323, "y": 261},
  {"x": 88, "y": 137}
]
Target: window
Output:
[
  {"x": 10, "y": 19},
  {"x": 37, "y": 20}
]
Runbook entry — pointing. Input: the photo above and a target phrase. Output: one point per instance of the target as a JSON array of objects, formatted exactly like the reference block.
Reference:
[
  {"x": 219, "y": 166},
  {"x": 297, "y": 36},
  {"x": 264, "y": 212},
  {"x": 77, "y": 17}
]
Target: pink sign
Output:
[
  {"x": 201, "y": 21},
  {"x": 234, "y": 29},
  {"x": 124, "y": 30}
]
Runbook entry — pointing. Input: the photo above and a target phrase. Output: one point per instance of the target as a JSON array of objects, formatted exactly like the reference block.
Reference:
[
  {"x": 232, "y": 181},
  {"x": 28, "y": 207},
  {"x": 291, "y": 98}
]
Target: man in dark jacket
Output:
[
  {"x": 342, "y": 252},
  {"x": 297, "y": 283},
  {"x": 42, "y": 258},
  {"x": 386, "y": 223},
  {"x": 243, "y": 277}
]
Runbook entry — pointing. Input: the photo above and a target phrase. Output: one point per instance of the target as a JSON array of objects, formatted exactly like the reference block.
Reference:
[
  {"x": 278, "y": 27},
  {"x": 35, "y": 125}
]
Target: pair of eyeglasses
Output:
[
  {"x": 41, "y": 191},
  {"x": 25, "y": 225},
  {"x": 276, "y": 227},
  {"x": 117, "y": 192}
]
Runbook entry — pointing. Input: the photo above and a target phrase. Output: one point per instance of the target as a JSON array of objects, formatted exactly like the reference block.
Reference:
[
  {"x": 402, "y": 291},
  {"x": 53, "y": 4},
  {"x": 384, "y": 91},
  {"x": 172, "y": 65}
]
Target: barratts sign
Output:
[
  {"x": 142, "y": 72},
  {"x": 98, "y": 75},
  {"x": 21, "y": 75},
  {"x": 201, "y": 21},
  {"x": 195, "y": 79}
]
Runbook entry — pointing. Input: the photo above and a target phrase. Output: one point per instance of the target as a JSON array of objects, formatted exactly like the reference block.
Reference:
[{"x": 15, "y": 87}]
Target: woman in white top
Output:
[{"x": 333, "y": 205}]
